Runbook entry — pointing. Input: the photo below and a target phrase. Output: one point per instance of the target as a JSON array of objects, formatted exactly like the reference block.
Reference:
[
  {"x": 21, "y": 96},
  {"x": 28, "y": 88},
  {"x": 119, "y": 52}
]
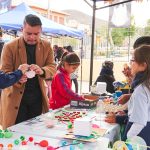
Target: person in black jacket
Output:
[{"x": 107, "y": 75}]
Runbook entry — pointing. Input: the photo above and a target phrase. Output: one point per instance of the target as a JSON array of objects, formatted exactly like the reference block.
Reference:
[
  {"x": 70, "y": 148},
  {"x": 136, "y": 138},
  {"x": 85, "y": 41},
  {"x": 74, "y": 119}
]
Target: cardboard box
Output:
[{"x": 89, "y": 102}]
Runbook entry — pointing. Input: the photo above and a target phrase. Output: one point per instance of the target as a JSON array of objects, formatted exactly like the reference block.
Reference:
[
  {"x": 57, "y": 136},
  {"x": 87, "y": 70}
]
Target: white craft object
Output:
[
  {"x": 23, "y": 147},
  {"x": 113, "y": 108},
  {"x": 101, "y": 87},
  {"x": 30, "y": 74},
  {"x": 82, "y": 126}
]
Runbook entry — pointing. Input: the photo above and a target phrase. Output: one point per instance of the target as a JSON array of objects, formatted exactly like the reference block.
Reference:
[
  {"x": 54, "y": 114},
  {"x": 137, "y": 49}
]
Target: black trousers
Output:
[{"x": 28, "y": 111}]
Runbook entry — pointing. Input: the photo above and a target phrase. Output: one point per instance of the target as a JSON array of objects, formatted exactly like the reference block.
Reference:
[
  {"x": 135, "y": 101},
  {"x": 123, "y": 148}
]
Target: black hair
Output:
[
  {"x": 70, "y": 58},
  {"x": 142, "y": 55},
  {"x": 55, "y": 46},
  {"x": 143, "y": 40},
  {"x": 59, "y": 53},
  {"x": 69, "y": 48},
  {"x": 32, "y": 20},
  {"x": 108, "y": 64},
  {"x": 1, "y": 32}
]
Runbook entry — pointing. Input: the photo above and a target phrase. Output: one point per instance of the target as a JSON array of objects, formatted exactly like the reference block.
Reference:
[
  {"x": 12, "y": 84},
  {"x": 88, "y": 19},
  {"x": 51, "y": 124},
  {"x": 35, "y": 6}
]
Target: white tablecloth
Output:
[
  {"x": 52, "y": 142},
  {"x": 37, "y": 128}
]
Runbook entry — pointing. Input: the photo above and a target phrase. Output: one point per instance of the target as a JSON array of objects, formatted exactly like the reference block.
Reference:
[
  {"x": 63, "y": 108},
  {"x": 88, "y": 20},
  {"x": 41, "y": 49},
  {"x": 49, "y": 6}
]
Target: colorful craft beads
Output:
[
  {"x": 69, "y": 125},
  {"x": 22, "y": 138},
  {"x": 5, "y": 134},
  {"x": 10, "y": 146},
  {"x": 16, "y": 142}
]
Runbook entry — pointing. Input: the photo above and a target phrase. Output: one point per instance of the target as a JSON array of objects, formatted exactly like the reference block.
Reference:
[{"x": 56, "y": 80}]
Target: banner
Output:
[
  {"x": 5, "y": 5},
  {"x": 120, "y": 15}
]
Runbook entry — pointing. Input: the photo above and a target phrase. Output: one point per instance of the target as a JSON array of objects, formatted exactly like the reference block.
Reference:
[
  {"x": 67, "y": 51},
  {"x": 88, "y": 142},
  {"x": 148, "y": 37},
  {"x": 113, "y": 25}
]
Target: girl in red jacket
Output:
[{"x": 62, "y": 93}]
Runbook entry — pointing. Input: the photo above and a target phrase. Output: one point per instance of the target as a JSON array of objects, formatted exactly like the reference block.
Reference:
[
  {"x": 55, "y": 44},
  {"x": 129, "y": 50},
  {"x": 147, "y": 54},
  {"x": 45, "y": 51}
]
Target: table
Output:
[
  {"x": 37, "y": 127},
  {"x": 52, "y": 142}
]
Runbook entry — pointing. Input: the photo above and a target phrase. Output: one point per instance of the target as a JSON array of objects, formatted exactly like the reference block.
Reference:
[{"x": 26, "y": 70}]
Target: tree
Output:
[
  {"x": 147, "y": 28},
  {"x": 120, "y": 34}
]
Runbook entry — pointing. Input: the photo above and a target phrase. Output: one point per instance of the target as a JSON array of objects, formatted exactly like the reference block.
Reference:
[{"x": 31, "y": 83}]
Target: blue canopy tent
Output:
[{"x": 13, "y": 20}]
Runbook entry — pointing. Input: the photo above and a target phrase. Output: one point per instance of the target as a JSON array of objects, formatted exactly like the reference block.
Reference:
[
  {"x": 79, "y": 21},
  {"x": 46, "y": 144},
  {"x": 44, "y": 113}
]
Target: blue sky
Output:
[{"x": 139, "y": 9}]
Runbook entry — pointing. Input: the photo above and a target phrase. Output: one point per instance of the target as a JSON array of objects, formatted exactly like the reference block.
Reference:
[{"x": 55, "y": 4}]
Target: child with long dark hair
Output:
[
  {"x": 139, "y": 103},
  {"x": 61, "y": 83}
]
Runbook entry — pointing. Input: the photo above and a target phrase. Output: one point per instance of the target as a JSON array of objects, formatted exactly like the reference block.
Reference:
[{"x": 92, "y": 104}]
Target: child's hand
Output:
[{"x": 83, "y": 98}]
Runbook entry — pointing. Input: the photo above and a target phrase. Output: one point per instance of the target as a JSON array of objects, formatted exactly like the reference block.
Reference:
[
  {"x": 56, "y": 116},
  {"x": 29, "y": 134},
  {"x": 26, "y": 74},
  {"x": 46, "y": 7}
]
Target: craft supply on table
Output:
[
  {"x": 6, "y": 133},
  {"x": 89, "y": 102},
  {"x": 30, "y": 74},
  {"x": 101, "y": 87},
  {"x": 69, "y": 115},
  {"x": 82, "y": 126}
]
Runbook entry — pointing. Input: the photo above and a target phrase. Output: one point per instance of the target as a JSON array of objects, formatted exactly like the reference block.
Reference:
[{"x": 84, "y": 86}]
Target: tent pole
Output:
[
  {"x": 81, "y": 54},
  {"x": 92, "y": 43},
  {"x": 129, "y": 44}
]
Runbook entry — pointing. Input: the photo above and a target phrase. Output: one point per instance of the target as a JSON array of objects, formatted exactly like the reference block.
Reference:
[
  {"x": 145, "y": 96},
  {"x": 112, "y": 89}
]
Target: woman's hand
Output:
[
  {"x": 110, "y": 118},
  {"x": 124, "y": 98}
]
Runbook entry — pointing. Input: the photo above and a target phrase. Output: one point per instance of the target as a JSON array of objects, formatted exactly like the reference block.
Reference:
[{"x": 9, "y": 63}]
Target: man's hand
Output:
[
  {"x": 37, "y": 69},
  {"x": 23, "y": 68}
]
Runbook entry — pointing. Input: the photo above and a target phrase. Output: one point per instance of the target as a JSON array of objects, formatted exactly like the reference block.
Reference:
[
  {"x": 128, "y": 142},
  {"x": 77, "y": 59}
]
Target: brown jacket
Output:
[{"x": 14, "y": 54}]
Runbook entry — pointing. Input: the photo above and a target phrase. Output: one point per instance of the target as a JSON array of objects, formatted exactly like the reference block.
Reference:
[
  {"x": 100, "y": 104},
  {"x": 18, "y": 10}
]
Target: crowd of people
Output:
[{"x": 27, "y": 61}]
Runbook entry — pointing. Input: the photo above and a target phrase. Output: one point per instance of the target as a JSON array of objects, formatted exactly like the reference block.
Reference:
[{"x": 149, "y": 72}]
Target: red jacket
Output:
[{"x": 62, "y": 93}]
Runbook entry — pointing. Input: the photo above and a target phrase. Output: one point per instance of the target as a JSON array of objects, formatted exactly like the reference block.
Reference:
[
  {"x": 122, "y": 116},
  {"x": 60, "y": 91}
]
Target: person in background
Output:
[
  {"x": 107, "y": 75},
  {"x": 1, "y": 41},
  {"x": 55, "y": 47},
  {"x": 27, "y": 98},
  {"x": 62, "y": 93},
  {"x": 73, "y": 75},
  {"x": 139, "y": 102},
  {"x": 58, "y": 55}
]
